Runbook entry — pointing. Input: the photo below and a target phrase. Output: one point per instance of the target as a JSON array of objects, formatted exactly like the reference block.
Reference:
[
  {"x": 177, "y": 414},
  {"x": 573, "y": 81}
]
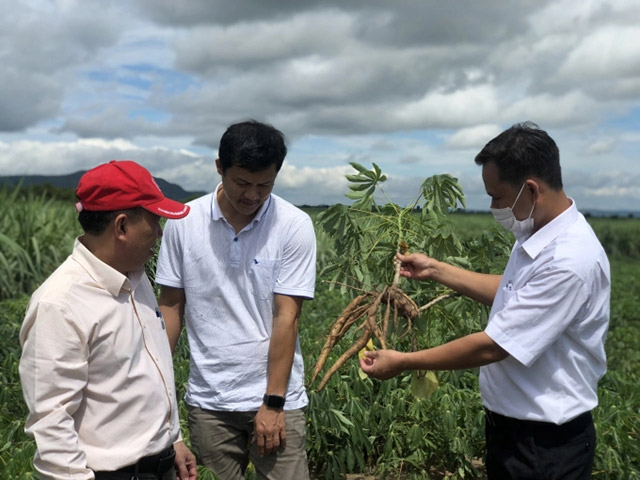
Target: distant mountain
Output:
[{"x": 171, "y": 190}]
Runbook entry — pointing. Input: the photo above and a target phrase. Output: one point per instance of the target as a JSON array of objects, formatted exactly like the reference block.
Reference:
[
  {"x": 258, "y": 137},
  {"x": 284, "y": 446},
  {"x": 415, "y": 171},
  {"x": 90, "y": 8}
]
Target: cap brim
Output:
[{"x": 168, "y": 208}]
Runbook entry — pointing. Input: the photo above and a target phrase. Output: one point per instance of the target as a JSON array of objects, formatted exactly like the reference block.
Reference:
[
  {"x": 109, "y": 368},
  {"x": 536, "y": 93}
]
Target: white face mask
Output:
[{"x": 506, "y": 218}]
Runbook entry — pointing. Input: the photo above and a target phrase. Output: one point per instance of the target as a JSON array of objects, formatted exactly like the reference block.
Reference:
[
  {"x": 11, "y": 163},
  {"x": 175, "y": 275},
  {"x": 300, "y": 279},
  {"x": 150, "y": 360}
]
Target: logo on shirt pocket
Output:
[
  {"x": 263, "y": 274},
  {"x": 508, "y": 292}
]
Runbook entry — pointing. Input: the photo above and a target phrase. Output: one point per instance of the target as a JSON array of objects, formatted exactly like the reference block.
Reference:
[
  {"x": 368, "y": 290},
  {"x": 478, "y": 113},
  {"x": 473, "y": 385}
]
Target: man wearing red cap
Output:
[{"x": 96, "y": 367}]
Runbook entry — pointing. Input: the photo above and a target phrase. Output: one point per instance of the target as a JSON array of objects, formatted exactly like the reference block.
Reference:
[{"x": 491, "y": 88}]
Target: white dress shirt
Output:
[
  {"x": 551, "y": 313},
  {"x": 229, "y": 282},
  {"x": 96, "y": 370}
]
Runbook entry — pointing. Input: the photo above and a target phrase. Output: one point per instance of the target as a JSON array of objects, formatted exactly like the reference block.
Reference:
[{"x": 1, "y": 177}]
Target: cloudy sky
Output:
[{"x": 416, "y": 86}]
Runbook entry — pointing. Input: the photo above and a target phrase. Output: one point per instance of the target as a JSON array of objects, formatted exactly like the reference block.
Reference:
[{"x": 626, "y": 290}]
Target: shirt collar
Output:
[
  {"x": 104, "y": 275},
  {"x": 543, "y": 237},
  {"x": 216, "y": 211}
]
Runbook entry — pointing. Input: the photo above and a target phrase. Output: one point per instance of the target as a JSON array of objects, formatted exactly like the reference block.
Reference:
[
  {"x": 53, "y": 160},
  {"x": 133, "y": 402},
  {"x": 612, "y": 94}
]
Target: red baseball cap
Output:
[{"x": 123, "y": 184}]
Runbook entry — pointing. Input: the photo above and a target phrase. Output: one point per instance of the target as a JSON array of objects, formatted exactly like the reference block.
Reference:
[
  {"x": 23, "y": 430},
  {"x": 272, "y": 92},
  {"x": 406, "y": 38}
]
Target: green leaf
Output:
[
  {"x": 361, "y": 186},
  {"x": 423, "y": 383},
  {"x": 340, "y": 416},
  {"x": 355, "y": 195},
  {"x": 357, "y": 179},
  {"x": 358, "y": 167}
]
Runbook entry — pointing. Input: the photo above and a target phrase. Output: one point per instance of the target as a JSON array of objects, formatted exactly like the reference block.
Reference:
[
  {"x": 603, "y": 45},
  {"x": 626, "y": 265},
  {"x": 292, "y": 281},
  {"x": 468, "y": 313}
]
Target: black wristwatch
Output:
[{"x": 273, "y": 401}]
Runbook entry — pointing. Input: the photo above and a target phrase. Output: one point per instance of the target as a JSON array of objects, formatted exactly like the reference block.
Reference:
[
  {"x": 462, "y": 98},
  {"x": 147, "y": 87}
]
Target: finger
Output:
[
  {"x": 283, "y": 439},
  {"x": 193, "y": 472},
  {"x": 269, "y": 444},
  {"x": 365, "y": 363},
  {"x": 192, "y": 468},
  {"x": 260, "y": 442},
  {"x": 182, "y": 471}
]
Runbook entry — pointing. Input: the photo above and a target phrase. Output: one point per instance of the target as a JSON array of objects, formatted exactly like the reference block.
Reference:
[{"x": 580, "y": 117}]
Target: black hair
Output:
[
  {"x": 521, "y": 152},
  {"x": 252, "y": 145},
  {"x": 95, "y": 223}
]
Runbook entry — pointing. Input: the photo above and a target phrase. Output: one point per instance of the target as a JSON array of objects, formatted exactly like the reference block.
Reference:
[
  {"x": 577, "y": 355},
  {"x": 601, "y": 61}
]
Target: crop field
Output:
[{"x": 354, "y": 425}]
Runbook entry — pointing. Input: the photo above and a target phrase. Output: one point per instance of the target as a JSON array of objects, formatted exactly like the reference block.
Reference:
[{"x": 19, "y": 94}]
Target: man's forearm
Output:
[
  {"x": 481, "y": 287},
  {"x": 171, "y": 304},
  {"x": 283, "y": 343},
  {"x": 474, "y": 350},
  {"x": 281, "y": 350}
]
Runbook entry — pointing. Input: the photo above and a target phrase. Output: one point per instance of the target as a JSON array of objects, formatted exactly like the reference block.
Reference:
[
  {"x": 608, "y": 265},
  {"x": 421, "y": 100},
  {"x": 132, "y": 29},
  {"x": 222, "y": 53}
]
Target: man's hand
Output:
[
  {"x": 382, "y": 364},
  {"x": 269, "y": 430},
  {"x": 185, "y": 462},
  {"x": 417, "y": 266}
]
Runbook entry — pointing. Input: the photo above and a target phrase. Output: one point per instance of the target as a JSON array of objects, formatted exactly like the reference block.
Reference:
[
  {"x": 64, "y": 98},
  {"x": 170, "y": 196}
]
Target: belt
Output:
[
  {"x": 575, "y": 425},
  {"x": 158, "y": 464}
]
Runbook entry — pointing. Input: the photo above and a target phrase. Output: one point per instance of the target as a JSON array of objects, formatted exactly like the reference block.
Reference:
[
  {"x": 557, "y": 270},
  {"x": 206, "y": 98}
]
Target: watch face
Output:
[{"x": 273, "y": 401}]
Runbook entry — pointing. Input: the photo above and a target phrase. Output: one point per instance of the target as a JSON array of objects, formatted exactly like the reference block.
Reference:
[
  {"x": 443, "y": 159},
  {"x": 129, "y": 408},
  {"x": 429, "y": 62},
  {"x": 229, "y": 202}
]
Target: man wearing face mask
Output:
[{"x": 542, "y": 352}]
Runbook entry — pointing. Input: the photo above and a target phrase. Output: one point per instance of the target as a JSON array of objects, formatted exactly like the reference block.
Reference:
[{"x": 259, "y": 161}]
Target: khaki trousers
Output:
[{"x": 222, "y": 441}]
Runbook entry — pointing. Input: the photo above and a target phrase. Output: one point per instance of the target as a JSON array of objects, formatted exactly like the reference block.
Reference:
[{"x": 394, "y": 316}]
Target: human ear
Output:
[
  {"x": 533, "y": 188},
  {"x": 121, "y": 224}
]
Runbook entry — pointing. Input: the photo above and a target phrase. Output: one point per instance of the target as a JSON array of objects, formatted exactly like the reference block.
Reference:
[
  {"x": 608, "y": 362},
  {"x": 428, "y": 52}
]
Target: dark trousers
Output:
[
  {"x": 154, "y": 467},
  {"x": 527, "y": 450},
  {"x": 140, "y": 476}
]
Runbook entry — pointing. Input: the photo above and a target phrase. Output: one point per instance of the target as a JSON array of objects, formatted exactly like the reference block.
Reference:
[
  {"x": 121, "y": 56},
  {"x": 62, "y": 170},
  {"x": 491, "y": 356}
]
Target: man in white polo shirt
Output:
[
  {"x": 238, "y": 271},
  {"x": 542, "y": 352}
]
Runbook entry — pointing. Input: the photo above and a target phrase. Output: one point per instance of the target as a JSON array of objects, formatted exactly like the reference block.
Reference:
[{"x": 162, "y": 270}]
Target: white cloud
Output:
[
  {"x": 546, "y": 109},
  {"x": 28, "y": 157},
  {"x": 600, "y": 146},
  {"x": 447, "y": 109},
  {"x": 416, "y": 87},
  {"x": 473, "y": 137},
  {"x": 312, "y": 186},
  {"x": 247, "y": 44},
  {"x": 606, "y": 50}
]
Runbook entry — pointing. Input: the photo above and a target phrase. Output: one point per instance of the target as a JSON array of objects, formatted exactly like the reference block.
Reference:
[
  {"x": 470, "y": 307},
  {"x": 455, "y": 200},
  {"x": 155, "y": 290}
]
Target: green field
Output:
[{"x": 354, "y": 425}]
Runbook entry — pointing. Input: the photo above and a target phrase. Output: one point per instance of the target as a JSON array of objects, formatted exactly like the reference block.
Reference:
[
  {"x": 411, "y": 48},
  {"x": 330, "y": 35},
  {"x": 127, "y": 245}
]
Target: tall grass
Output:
[
  {"x": 36, "y": 235},
  {"x": 16, "y": 449},
  {"x": 619, "y": 236}
]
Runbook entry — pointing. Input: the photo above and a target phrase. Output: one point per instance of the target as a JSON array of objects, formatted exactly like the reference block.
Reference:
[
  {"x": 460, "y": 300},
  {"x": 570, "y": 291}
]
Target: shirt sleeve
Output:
[
  {"x": 297, "y": 275},
  {"x": 169, "y": 266},
  {"x": 535, "y": 315},
  {"x": 53, "y": 373}
]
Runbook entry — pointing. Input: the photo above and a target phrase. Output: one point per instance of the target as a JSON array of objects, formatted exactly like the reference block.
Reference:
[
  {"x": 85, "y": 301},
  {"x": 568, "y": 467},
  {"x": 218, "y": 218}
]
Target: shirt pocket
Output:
[
  {"x": 508, "y": 294},
  {"x": 263, "y": 274}
]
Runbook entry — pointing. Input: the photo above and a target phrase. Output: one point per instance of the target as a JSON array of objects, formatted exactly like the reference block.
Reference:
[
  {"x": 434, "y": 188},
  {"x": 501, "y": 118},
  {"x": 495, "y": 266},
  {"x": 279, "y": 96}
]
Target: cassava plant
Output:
[
  {"x": 390, "y": 428},
  {"x": 367, "y": 237}
]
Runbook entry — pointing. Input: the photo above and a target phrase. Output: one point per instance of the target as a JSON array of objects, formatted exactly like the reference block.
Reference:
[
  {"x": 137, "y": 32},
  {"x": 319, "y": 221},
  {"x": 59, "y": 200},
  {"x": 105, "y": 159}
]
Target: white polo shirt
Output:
[
  {"x": 229, "y": 281},
  {"x": 551, "y": 313}
]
